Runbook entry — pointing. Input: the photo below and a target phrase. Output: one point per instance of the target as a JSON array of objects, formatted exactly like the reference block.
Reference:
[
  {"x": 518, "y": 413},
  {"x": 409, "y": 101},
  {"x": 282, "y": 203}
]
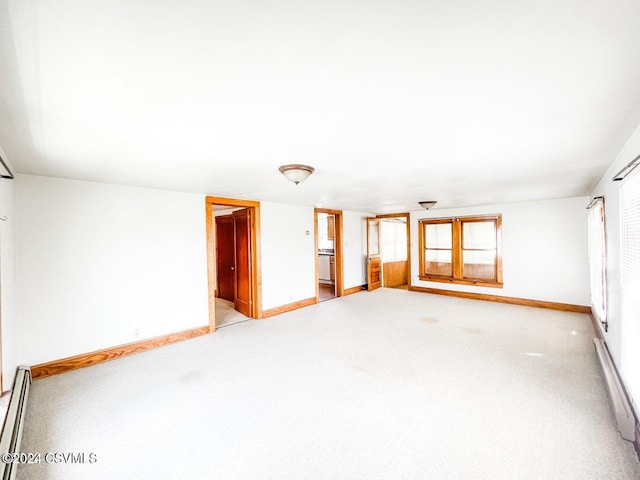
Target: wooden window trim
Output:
[{"x": 457, "y": 276}]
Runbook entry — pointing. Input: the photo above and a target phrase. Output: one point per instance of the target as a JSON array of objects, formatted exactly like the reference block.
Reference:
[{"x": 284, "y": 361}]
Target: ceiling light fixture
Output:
[
  {"x": 296, "y": 173},
  {"x": 427, "y": 204}
]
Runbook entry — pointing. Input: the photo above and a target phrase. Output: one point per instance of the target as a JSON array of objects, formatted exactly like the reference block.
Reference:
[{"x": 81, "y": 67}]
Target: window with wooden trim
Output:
[
  {"x": 630, "y": 282},
  {"x": 598, "y": 260},
  {"x": 466, "y": 250}
]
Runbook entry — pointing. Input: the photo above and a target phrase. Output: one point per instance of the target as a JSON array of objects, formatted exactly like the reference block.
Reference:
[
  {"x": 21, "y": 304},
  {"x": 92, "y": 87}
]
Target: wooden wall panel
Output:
[
  {"x": 476, "y": 270},
  {"x": 439, "y": 268},
  {"x": 394, "y": 273}
]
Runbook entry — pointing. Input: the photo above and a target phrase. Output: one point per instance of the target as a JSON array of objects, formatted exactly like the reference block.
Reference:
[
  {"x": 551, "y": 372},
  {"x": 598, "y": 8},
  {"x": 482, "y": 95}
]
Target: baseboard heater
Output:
[
  {"x": 621, "y": 408},
  {"x": 14, "y": 421}
]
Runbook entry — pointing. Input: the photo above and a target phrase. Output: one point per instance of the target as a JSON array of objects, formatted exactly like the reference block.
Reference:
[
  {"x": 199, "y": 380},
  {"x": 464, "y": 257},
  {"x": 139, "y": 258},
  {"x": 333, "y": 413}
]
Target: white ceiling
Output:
[{"x": 392, "y": 101}]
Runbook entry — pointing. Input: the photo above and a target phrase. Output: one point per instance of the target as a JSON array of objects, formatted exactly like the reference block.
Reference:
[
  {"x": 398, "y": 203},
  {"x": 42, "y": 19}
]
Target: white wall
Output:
[
  {"x": 288, "y": 254},
  {"x": 354, "y": 248},
  {"x": 544, "y": 248},
  {"x": 616, "y": 339},
  {"x": 8, "y": 313},
  {"x": 102, "y": 265}
]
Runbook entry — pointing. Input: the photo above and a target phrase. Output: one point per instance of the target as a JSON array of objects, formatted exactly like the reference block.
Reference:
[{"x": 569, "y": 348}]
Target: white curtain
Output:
[
  {"x": 394, "y": 241},
  {"x": 598, "y": 260}
]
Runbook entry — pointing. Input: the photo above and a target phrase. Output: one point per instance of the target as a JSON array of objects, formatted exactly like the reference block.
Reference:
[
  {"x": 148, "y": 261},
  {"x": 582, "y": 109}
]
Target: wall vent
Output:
[
  {"x": 14, "y": 421},
  {"x": 621, "y": 408}
]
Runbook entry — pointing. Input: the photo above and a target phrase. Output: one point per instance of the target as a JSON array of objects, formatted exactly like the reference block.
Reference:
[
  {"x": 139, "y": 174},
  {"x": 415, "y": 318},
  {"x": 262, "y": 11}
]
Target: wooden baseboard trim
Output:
[
  {"x": 565, "y": 307},
  {"x": 56, "y": 367},
  {"x": 351, "y": 290},
  {"x": 287, "y": 308}
]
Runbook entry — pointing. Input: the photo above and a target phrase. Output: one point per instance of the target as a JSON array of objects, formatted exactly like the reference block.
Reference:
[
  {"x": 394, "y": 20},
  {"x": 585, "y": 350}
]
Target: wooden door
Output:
[
  {"x": 242, "y": 222},
  {"x": 225, "y": 257},
  {"x": 373, "y": 254}
]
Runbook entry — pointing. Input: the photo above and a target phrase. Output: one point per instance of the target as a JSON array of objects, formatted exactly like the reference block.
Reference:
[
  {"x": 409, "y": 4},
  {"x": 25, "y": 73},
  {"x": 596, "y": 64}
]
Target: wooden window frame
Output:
[{"x": 457, "y": 274}]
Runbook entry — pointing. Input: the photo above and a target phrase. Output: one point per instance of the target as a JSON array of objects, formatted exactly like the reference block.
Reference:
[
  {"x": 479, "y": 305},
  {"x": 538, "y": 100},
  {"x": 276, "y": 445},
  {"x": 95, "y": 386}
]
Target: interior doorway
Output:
[
  {"x": 328, "y": 245},
  {"x": 395, "y": 250},
  {"x": 374, "y": 268},
  {"x": 233, "y": 228},
  {"x": 233, "y": 262},
  {"x": 225, "y": 257}
]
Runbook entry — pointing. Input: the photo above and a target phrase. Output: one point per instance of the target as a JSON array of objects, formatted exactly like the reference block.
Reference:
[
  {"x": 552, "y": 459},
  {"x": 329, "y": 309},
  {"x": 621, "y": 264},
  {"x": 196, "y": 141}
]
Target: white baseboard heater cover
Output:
[
  {"x": 621, "y": 408},
  {"x": 14, "y": 421}
]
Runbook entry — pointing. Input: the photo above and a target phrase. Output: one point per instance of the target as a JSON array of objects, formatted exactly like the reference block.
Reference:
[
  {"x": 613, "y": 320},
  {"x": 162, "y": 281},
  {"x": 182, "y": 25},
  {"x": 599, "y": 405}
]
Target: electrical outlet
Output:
[{"x": 136, "y": 332}]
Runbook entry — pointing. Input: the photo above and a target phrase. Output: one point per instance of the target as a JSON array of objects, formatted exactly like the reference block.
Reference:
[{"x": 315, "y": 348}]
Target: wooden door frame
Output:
[
  {"x": 337, "y": 250},
  {"x": 408, "y": 218},
  {"x": 256, "y": 271}
]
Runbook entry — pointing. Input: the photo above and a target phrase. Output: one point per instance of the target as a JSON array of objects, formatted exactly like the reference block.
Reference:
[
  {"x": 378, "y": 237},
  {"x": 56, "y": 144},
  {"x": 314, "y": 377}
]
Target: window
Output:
[
  {"x": 465, "y": 250},
  {"x": 394, "y": 239},
  {"x": 598, "y": 260},
  {"x": 630, "y": 282}
]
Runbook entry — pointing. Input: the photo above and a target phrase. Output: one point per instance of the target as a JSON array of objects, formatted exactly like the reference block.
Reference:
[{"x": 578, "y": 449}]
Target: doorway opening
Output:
[
  {"x": 388, "y": 251},
  {"x": 233, "y": 229},
  {"x": 328, "y": 244},
  {"x": 395, "y": 250}
]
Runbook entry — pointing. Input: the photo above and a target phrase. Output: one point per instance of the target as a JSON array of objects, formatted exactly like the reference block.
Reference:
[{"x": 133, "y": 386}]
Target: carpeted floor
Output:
[
  {"x": 226, "y": 314},
  {"x": 389, "y": 384}
]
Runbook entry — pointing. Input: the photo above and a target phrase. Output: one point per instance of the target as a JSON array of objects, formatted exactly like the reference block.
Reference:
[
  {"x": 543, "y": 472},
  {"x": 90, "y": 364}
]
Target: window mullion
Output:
[{"x": 457, "y": 248}]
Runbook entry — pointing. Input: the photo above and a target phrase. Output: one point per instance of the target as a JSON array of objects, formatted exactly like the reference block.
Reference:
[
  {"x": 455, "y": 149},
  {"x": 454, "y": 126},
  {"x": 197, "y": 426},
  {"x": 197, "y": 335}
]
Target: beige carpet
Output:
[
  {"x": 388, "y": 384},
  {"x": 226, "y": 314}
]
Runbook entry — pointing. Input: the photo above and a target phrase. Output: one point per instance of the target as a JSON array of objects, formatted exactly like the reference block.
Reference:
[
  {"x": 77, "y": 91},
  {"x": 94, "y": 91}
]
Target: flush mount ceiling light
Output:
[
  {"x": 296, "y": 173},
  {"x": 427, "y": 204}
]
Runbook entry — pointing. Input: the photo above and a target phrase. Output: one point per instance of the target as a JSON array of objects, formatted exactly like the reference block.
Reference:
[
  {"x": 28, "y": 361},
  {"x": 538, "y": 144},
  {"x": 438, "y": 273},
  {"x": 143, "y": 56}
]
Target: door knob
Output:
[{"x": 232, "y": 268}]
